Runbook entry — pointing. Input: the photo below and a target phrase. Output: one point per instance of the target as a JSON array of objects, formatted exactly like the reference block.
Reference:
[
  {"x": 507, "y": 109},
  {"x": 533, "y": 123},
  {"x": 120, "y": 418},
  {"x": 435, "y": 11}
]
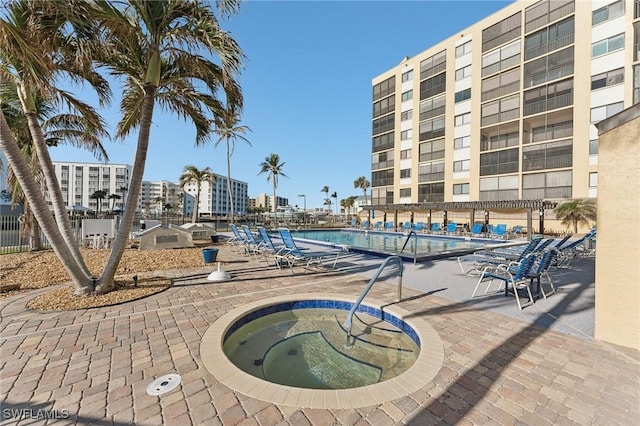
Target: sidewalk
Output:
[{"x": 93, "y": 366}]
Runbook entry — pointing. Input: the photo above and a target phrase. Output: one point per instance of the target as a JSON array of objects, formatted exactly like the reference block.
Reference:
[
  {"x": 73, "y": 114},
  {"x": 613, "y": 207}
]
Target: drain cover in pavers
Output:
[{"x": 163, "y": 384}]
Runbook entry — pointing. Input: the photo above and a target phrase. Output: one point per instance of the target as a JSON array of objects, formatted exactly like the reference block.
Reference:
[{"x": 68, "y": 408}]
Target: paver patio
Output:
[{"x": 93, "y": 366}]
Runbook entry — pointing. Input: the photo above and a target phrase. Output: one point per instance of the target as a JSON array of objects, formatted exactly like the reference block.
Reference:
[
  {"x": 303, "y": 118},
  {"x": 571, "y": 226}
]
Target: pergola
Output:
[{"x": 503, "y": 206}]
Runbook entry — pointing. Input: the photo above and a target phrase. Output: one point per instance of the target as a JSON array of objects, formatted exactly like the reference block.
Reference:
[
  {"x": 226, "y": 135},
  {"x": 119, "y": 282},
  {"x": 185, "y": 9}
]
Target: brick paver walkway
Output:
[{"x": 93, "y": 366}]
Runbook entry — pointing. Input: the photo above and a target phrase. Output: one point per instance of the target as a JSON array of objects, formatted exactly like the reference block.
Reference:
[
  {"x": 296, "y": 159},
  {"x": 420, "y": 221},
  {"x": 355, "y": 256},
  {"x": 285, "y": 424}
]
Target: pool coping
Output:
[{"x": 425, "y": 368}]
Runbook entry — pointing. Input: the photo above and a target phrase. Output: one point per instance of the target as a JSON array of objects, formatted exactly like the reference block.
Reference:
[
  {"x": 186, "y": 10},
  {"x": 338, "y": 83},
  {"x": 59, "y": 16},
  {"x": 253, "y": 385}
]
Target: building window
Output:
[
  {"x": 384, "y": 89},
  {"x": 382, "y": 160},
  {"x": 607, "y": 45},
  {"x": 593, "y": 180},
  {"x": 549, "y": 67},
  {"x": 503, "y": 109},
  {"x": 461, "y": 166},
  {"x": 382, "y": 142},
  {"x": 606, "y": 79},
  {"x": 407, "y": 96},
  {"x": 547, "y": 39},
  {"x": 407, "y": 115},
  {"x": 499, "y": 162},
  {"x": 384, "y": 106},
  {"x": 543, "y": 12},
  {"x": 383, "y": 124},
  {"x": 463, "y": 72},
  {"x": 405, "y": 173},
  {"x": 548, "y": 97},
  {"x": 610, "y": 11},
  {"x": 431, "y": 192},
  {"x": 463, "y": 95},
  {"x": 602, "y": 112},
  {"x": 430, "y": 172},
  {"x": 593, "y": 147},
  {"x": 406, "y": 134},
  {"x": 460, "y": 188},
  {"x": 547, "y": 185},
  {"x": 431, "y": 129},
  {"x": 405, "y": 192},
  {"x": 502, "y": 32},
  {"x": 463, "y": 49},
  {"x": 433, "y": 65},
  {"x": 499, "y": 188},
  {"x": 462, "y": 119},
  {"x": 407, "y": 76},
  {"x": 405, "y": 154},
  {"x": 432, "y": 107},
  {"x": 551, "y": 155},
  {"x": 431, "y": 150},
  {"x": 463, "y": 142},
  {"x": 433, "y": 86},
  {"x": 501, "y": 84},
  {"x": 501, "y": 59},
  {"x": 382, "y": 178},
  {"x": 381, "y": 196}
]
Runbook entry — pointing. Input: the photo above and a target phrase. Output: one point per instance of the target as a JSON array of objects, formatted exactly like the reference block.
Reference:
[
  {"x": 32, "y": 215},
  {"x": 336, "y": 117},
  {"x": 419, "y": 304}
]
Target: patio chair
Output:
[
  {"x": 541, "y": 269},
  {"x": 435, "y": 228},
  {"x": 515, "y": 232},
  {"x": 515, "y": 276},
  {"x": 237, "y": 241},
  {"x": 477, "y": 229},
  {"x": 419, "y": 227},
  {"x": 297, "y": 255},
  {"x": 252, "y": 246},
  {"x": 482, "y": 258},
  {"x": 499, "y": 231},
  {"x": 407, "y": 226},
  {"x": 364, "y": 224},
  {"x": 388, "y": 226},
  {"x": 377, "y": 226},
  {"x": 452, "y": 228},
  {"x": 269, "y": 249}
]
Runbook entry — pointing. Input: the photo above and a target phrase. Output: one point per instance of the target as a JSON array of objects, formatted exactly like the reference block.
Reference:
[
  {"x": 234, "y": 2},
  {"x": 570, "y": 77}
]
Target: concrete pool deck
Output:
[{"x": 501, "y": 365}]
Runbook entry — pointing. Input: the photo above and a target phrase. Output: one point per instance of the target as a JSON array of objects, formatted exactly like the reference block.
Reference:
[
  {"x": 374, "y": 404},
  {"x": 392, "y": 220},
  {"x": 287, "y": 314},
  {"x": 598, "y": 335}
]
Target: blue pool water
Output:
[
  {"x": 303, "y": 344},
  {"x": 386, "y": 243}
]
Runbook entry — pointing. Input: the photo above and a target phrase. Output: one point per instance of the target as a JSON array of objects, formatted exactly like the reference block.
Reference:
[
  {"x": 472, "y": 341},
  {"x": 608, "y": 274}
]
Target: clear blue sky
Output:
[{"x": 307, "y": 88}]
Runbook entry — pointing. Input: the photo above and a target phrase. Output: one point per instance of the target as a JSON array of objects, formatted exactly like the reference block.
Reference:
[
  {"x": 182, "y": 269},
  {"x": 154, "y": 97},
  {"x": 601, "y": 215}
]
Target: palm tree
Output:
[
  {"x": 327, "y": 201},
  {"x": 347, "y": 203},
  {"x": 362, "y": 183},
  {"x": 193, "y": 174},
  {"x": 335, "y": 196},
  {"x": 37, "y": 51},
  {"x": 273, "y": 167},
  {"x": 113, "y": 198},
  {"x": 98, "y": 195},
  {"x": 228, "y": 130},
  {"x": 172, "y": 53},
  {"x": 574, "y": 212}
]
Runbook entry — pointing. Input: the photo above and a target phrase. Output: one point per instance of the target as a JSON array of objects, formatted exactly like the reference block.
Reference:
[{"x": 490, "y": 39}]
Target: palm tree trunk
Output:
[
  {"x": 35, "y": 240},
  {"x": 105, "y": 282},
  {"x": 53, "y": 189},
  {"x": 274, "y": 207},
  {"x": 40, "y": 209},
  {"x": 229, "y": 186},
  {"x": 194, "y": 218}
]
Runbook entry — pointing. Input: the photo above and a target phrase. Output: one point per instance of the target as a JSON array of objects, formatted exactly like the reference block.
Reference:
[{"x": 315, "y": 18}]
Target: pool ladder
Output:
[{"x": 349, "y": 321}]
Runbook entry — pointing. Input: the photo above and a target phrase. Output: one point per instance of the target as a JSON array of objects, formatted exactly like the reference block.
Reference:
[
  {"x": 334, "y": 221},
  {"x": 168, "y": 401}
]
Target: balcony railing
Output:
[
  {"x": 500, "y": 117},
  {"x": 551, "y": 45},
  {"x": 549, "y": 104},
  {"x": 548, "y": 75},
  {"x": 501, "y": 91},
  {"x": 552, "y": 132},
  {"x": 547, "y": 163}
]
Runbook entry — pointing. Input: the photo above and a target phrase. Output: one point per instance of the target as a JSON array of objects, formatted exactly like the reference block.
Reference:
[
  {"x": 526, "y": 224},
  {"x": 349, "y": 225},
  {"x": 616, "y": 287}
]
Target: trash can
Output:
[
  {"x": 209, "y": 255},
  {"x": 215, "y": 238}
]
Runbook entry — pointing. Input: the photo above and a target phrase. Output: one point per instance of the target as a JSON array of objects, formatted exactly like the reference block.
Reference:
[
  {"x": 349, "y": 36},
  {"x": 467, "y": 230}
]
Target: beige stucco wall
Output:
[{"x": 617, "y": 317}]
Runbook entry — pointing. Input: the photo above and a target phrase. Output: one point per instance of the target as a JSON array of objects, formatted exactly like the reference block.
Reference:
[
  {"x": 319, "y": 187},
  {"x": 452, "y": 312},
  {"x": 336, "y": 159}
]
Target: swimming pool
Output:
[{"x": 419, "y": 247}]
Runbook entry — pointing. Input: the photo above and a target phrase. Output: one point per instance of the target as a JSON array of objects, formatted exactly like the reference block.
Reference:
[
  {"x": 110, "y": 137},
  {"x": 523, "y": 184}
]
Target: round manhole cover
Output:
[{"x": 163, "y": 384}]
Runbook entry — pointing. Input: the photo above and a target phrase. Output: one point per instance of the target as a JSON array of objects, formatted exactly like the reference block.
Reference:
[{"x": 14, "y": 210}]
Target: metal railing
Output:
[{"x": 349, "y": 321}]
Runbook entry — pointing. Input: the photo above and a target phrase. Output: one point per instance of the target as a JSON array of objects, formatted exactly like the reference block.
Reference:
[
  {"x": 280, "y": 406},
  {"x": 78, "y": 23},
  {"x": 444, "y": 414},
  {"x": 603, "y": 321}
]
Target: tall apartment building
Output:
[
  {"x": 155, "y": 196},
  {"x": 266, "y": 202},
  {"x": 78, "y": 181},
  {"x": 504, "y": 109},
  {"x": 214, "y": 199}
]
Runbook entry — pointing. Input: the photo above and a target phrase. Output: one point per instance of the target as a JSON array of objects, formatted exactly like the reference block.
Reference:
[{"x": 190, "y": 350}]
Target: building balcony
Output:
[{"x": 549, "y": 104}]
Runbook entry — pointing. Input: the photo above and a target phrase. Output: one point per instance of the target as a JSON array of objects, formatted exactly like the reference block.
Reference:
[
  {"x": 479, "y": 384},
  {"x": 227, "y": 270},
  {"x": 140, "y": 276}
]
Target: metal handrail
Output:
[{"x": 349, "y": 321}]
